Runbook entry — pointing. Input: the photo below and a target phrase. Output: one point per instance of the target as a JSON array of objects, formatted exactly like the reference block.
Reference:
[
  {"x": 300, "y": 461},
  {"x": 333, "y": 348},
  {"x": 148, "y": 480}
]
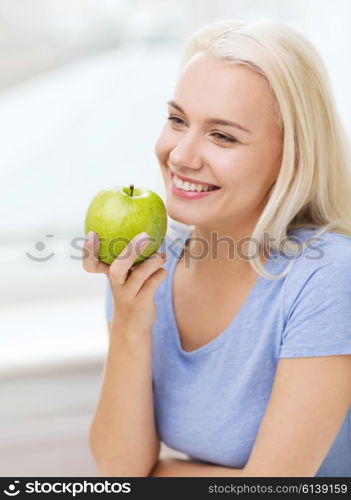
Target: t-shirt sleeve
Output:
[
  {"x": 319, "y": 314},
  {"x": 108, "y": 302}
]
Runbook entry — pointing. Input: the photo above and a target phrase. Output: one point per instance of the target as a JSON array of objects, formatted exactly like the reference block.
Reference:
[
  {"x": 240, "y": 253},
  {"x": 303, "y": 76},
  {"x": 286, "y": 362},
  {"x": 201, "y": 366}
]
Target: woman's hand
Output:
[{"x": 132, "y": 288}]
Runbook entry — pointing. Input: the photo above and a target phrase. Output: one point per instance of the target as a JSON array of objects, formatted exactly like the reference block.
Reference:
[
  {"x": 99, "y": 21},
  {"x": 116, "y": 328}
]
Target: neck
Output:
[{"x": 219, "y": 252}]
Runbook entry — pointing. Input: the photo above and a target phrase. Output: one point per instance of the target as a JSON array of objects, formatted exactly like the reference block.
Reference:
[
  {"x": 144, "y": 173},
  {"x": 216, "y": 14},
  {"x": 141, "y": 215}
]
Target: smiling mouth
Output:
[{"x": 209, "y": 187}]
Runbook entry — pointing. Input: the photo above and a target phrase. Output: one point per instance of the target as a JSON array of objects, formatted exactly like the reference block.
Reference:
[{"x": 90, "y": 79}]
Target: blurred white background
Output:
[{"x": 83, "y": 91}]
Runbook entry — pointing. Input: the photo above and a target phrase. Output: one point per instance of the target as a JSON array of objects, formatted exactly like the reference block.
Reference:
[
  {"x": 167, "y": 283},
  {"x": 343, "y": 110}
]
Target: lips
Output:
[{"x": 194, "y": 181}]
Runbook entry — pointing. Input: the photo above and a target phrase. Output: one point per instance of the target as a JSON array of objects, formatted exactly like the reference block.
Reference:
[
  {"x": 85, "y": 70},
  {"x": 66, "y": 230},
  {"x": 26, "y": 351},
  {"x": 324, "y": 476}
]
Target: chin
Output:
[
  {"x": 184, "y": 217},
  {"x": 179, "y": 215}
]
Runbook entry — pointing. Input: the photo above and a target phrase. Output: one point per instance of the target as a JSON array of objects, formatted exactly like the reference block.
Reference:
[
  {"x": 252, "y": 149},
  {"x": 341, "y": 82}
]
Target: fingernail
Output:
[
  {"x": 141, "y": 239},
  {"x": 141, "y": 236},
  {"x": 90, "y": 237},
  {"x": 144, "y": 245}
]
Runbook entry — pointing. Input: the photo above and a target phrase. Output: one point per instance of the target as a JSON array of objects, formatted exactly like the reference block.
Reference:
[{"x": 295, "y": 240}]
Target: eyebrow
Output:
[{"x": 214, "y": 121}]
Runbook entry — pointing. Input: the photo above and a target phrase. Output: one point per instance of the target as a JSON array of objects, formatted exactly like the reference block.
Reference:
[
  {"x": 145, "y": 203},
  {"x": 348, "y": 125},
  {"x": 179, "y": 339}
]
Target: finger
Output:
[
  {"x": 142, "y": 272},
  {"x": 119, "y": 269},
  {"x": 150, "y": 285},
  {"x": 91, "y": 262}
]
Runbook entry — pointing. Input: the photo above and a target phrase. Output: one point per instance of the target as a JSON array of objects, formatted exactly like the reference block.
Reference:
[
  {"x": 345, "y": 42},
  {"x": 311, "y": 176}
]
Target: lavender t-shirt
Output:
[{"x": 209, "y": 403}]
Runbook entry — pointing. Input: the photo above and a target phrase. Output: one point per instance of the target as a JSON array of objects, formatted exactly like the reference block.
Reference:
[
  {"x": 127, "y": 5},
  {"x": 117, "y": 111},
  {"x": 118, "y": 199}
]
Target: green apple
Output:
[{"x": 117, "y": 214}]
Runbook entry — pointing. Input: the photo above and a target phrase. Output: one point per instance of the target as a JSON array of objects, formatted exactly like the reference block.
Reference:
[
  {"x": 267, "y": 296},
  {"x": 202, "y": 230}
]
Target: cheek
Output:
[
  {"x": 233, "y": 167},
  {"x": 247, "y": 171}
]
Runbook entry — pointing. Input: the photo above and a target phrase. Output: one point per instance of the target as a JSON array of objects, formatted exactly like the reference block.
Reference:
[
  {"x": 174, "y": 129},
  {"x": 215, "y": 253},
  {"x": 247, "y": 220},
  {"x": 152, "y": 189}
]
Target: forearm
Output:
[
  {"x": 175, "y": 467},
  {"x": 123, "y": 438}
]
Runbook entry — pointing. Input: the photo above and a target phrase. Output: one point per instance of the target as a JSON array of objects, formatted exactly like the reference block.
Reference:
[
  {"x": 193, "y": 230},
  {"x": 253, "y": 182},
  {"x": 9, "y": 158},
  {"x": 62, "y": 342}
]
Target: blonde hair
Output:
[{"x": 313, "y": 187}]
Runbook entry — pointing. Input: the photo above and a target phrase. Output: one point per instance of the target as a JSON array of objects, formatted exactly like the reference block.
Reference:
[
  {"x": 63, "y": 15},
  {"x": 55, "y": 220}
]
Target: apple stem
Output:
[{"x": 131, "y": 187}]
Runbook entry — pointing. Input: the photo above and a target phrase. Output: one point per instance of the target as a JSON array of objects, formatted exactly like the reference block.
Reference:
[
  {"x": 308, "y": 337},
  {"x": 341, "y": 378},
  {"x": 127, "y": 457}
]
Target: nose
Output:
[{"x": 187, "y": 153}]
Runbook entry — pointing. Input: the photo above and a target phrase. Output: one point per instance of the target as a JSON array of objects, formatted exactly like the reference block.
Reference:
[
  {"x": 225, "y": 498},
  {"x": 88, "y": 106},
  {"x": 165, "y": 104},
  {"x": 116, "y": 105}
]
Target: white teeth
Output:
[{"x": 186, "y": 186}]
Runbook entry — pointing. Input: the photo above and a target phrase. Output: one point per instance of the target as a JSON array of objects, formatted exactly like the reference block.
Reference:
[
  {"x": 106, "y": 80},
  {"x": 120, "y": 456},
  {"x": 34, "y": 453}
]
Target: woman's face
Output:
[{"x": 243, "y": 159}]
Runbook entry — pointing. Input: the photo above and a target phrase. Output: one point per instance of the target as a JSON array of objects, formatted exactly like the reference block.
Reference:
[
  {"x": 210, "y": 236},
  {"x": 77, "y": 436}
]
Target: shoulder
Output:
[
  {"x": 325, "y": 254},
  {"x": 323, "y": 266},
  {"x": 317, "y": 300}
]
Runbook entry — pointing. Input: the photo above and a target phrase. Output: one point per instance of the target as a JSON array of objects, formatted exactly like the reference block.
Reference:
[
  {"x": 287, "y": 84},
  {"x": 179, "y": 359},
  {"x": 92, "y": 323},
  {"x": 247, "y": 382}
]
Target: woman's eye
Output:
[
  {"x": 219, "y": 136},
  {"x": 224, "y": 138},
  {"x": 176, "y": 120}
]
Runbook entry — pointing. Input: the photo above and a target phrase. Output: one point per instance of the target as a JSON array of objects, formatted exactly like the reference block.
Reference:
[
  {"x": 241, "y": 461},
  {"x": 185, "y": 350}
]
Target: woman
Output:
[{"x": 241, "y": 357}]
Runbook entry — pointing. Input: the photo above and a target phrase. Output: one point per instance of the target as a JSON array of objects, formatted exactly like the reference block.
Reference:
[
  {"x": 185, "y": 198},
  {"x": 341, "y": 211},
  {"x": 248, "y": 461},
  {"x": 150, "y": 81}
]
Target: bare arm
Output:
[
  {"x": 123, "y": 438},
  {"x": 309, "y": 401}
]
